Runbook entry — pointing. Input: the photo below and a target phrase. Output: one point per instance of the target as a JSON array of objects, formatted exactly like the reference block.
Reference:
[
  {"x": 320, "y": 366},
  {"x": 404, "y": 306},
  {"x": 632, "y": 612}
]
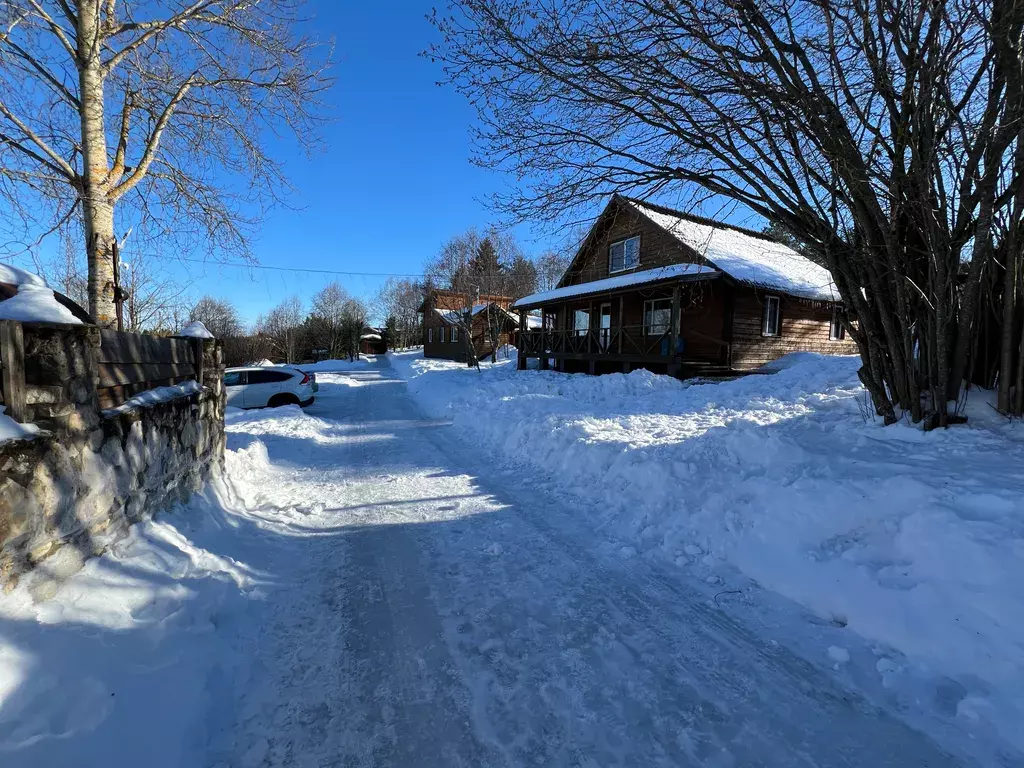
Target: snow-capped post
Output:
[{"x": 12, "y": 368}]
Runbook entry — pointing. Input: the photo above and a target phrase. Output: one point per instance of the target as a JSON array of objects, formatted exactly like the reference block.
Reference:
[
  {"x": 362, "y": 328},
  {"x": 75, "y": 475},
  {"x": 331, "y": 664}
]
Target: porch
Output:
[{"x": 678, "y": 327}]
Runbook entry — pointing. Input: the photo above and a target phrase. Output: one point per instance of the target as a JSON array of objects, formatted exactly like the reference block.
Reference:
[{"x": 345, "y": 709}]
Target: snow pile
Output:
[
  {"x": 196, "y": 330},
  {"x": 328, "y": 366},
  {"x": 34, "y": 302},
  {"x": 912, "y": 540},
  {"x": 157, "y": 395},
  {"x": 264, "y": 363},
  {"x": 754, "y": 260},
  {"x": 135, "y": 650},
  {"x": 12, "y": 430}
]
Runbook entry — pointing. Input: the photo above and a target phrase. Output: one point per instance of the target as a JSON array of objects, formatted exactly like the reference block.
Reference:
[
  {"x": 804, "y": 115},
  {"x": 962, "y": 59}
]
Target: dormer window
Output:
[{"x": 623, "y": 255}]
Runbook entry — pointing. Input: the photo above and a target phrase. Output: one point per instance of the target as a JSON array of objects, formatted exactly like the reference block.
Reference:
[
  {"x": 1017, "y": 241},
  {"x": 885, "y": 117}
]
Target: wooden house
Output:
[
  {"x": 661, "y": 289},
  {"x": 450, "y": 324}
]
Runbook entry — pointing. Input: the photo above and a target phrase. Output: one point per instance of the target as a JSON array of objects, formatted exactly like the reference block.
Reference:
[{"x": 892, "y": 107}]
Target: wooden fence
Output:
[
  {"x": 129, "y": 363},
  {"x": 125, "y": 364}
]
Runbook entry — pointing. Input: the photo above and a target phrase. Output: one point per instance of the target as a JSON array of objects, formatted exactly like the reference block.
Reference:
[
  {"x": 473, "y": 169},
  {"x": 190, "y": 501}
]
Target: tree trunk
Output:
[{"x": 97, "y": 208}]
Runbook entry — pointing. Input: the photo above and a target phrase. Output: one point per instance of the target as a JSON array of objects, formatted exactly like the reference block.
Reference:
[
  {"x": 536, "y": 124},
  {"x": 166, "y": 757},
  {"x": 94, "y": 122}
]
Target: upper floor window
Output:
[
  {"x": 836, "y": 330},
  {"x": 770, "y": 321},
  {"x": 624, "y": 254}
]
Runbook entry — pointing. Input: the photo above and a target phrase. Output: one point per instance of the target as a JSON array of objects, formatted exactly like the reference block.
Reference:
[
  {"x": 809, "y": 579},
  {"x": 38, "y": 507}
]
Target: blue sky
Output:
[{"x": 394, "y": 180}]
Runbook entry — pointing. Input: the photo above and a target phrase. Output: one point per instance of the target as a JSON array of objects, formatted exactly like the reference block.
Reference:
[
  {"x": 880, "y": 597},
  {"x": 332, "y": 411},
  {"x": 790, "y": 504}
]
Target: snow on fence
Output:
[{"x": 97, "y": 455}]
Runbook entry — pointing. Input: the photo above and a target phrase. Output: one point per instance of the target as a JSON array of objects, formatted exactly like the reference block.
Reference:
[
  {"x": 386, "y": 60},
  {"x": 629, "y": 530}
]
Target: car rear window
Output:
[{"x": 268, "y": 377}]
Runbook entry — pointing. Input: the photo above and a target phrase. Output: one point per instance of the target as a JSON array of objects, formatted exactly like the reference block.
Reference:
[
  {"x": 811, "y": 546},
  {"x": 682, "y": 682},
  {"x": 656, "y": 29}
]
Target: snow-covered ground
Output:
[
  {"x": 911, "y": 543},
  {"x": 372, "y": 586}
]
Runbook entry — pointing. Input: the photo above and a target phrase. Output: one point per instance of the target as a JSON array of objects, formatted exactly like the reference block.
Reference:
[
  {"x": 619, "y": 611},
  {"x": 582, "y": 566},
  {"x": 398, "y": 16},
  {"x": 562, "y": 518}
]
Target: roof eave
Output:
[{"x": 623, "y": 289}]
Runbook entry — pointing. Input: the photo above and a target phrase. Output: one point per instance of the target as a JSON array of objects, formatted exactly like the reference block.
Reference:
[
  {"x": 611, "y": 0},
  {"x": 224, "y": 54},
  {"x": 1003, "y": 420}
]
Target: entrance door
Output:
[{"x": 605, "y": 327}]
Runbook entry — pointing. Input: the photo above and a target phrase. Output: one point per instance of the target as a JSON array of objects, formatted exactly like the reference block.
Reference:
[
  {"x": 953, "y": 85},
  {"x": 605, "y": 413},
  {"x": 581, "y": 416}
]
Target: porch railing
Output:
[{"x": 633, "y": 340}]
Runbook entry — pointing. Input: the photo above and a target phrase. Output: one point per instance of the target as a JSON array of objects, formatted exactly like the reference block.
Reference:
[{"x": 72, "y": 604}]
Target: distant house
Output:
[
  {"x": 661, "y": 289},
  {"x": 448, "y": 330},
  {"x": 372, "y": 342}
]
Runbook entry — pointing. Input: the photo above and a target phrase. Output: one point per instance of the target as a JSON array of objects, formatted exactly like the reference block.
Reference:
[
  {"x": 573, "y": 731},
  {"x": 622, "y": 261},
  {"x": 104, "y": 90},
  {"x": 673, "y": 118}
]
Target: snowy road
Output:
[{"x": 426, "y": 608}]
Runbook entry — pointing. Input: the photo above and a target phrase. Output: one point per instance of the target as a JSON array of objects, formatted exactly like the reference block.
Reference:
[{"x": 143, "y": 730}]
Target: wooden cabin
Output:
[
  {"x": 446, "y": 334},
  {"x": 660, "y": 289}
]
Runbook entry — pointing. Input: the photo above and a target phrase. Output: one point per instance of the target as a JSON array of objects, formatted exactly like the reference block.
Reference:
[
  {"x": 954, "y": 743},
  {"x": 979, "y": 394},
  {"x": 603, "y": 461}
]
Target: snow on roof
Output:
[
  {"x": 370, "y": 337},
  {"x": 14, "y": 276},
  {"x": 34, "y": 303},
  {"x": 454, "y": 316},
  {"x": 745, "y": 257},
  {"x": 619, "y": 281},
  {"x": 196, "y": 330}
]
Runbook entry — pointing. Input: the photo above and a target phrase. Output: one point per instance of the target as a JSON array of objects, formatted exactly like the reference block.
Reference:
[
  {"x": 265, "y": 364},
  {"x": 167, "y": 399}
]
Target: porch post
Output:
[
  {"x": 673, "y": 366},
  {"x": 622, "y": 325},
  {"x": 521, "y": 353}
]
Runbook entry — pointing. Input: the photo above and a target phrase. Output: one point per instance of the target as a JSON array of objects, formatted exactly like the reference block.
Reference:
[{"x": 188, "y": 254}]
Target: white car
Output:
[{"x": 254, "y": 387}]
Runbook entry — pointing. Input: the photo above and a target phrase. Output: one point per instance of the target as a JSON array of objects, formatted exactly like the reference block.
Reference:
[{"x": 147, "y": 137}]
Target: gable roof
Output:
[{"x": 748, "y": 257}]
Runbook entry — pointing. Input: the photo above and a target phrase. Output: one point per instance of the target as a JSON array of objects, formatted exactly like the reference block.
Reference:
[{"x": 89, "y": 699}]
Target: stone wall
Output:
[{"x": 68, "y": 493}]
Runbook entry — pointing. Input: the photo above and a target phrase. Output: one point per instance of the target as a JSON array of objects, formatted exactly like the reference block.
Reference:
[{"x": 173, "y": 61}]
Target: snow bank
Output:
[
  {"x": 156, "y": 395},
  {"x": 912, "y": 540},
  {"x": 328, "y": 366},
  {"x": 196, "y": 330},
  {"x": 128, "y": 662}
]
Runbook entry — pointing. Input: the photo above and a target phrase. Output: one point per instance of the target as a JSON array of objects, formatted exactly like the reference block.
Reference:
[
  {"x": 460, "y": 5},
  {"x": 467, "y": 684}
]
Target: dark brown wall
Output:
[
  {"x": 805, "y": 327},
  {"x": 657, "y": 247},
  {"x": 450, "y": 350}
]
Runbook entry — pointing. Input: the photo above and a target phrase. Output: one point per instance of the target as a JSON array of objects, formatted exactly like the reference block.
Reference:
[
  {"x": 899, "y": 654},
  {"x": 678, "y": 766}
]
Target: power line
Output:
[{"x": 307, "y": 270}]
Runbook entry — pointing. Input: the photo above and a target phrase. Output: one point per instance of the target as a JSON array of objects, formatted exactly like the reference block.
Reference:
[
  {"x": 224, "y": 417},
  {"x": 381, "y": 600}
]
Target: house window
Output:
[
  {"x": 455, "y": 335},
  {"x": 624, "y": 254},
  {"x": 836, "y": 331},
  {"x": 581, "y": 321},
  {"x": 442, "y": 334},
  {"x": 657, "y": 316},
  {"x": 430, "y": 335},
  {"x": 770, "y": 321}
]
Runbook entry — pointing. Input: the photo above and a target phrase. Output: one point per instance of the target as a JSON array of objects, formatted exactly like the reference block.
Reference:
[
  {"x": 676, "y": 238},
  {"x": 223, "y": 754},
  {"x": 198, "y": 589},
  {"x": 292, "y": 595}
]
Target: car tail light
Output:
[{"x": 305, "y": 379}]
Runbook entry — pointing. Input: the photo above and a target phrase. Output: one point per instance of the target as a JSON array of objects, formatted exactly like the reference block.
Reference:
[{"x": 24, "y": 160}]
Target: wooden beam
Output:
[
  {"x": 674, "y": 321},
  {"x": 12, "y": 368},
  {"x": 622, "y": 325}
]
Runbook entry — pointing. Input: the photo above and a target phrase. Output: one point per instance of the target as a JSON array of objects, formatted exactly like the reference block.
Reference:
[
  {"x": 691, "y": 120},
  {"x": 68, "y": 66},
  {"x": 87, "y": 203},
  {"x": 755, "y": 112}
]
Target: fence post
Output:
[
  {"x": 200, "y": 358},
  {"x": 12, "y": 360}
]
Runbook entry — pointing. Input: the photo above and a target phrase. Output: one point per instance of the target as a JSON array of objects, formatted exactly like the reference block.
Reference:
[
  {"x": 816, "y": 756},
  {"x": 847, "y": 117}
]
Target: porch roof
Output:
[{"x": 672, "y": 272}]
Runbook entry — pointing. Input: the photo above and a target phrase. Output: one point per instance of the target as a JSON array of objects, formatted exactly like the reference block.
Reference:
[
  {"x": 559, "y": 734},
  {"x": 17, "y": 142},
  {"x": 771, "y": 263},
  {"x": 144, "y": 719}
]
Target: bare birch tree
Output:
[
  {"x": 881, "y": 135},
  {"x": 152, "y": 115}
]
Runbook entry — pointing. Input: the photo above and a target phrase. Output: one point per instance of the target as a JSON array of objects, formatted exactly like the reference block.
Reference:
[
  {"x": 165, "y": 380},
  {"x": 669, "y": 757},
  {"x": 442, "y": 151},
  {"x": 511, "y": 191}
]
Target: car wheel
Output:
[{"x": 278, "y": 400}]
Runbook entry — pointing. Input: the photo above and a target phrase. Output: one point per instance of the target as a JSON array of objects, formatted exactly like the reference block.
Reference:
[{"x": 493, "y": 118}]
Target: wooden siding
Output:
[
  {"x": 657, "y": 247},
  {"x": 804, "y": 328},
  {"x": 449, "y": 350}
]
